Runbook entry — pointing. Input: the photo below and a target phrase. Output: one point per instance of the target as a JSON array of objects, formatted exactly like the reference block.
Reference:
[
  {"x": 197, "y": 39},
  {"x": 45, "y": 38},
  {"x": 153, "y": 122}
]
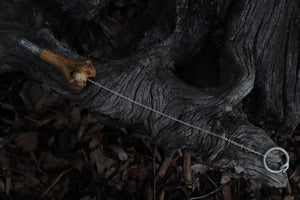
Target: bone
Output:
[{"x": 75, "y": 72}]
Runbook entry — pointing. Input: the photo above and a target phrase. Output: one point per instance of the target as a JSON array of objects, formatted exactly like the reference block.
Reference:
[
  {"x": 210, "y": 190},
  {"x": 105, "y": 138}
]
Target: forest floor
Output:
[{"x": 51, "y": 148}]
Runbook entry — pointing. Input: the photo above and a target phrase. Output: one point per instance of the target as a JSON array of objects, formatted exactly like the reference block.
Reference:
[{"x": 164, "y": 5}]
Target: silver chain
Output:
[
  {"x": 282, "y": 169},
  {"x": 175, "y": 119}
]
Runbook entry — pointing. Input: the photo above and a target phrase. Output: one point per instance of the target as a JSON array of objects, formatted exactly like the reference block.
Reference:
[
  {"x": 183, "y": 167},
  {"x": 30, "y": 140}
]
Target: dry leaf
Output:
[
  {"x": 61, "y": 121},
  {"x": 83, "y": 126},
  {"x": 148, "y": 194},
  {"x": 131, "y": 186},
  {"x": 122, "y": 155},
  {"x": 288, "y": 197},
  {"x": 75, "y": 116},
  {"x": 8, "y": 184},
  {"x": 7, "y": 106},
  {"x": 293, "y": 156},
  {"x": 254, "y": 185},
  {"x": 39, "y": 97},
  {"x": 77, "y": 164},
  {"x": 4, "y": 159},
  {"x": 225, "y": 179},
  {"x": 96, "y": 128},
  {"x": 27, "y": 141},
  {"x": 102, "y": 162},
  {"x": 199, "y": 168},
  {"x": 226, "y": 192},
  {"x": 2, "y": 186},
  {"x": 43, "y": 122},
  {"x": 137, "y": 170},
  {"x": 49, "y": 161}
]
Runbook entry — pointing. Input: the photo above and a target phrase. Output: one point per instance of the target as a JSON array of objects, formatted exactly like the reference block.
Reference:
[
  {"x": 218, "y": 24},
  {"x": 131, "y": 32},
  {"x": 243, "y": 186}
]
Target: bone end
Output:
[{"x": 82, "y": 73}]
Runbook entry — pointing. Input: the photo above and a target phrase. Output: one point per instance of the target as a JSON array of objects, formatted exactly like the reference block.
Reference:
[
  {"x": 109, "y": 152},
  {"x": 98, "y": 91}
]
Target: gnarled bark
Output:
[{"x": 250, "y": 57}]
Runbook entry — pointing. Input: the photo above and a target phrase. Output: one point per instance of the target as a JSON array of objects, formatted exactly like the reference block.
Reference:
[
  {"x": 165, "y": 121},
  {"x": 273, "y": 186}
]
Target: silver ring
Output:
[{"x": 284, "y": 167}]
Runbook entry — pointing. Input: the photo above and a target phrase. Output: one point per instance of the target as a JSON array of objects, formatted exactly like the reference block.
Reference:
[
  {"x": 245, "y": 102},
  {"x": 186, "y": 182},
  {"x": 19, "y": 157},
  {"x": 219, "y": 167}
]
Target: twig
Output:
[
  {"x": 158, "y": 157},
  {"x": 162, "y": 195},
  {"x": 164, "y": 167},
  {"x": 7, "y": 121},
  {"x": 208, "y": 177},
  {"x": 5, "y": 174},
  {"x": 288, "y": 187},
  {"x": 8, "y": 184},
  {"x": 33, "y": 157},
  {"x": 208, "y": 194},
  {"x": 83, "y": 126},
  {"x": 154, "y": 173},
  {"x": 54, "y": 182},
  {"x": 187, "y": 168},
  {"x": 28, "y": 176},
  {"x": 137, "y": 188}
]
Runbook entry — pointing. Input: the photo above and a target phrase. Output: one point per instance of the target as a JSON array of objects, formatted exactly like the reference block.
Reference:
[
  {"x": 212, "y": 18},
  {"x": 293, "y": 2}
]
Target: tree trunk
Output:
[{"x": 227, "y": 54}]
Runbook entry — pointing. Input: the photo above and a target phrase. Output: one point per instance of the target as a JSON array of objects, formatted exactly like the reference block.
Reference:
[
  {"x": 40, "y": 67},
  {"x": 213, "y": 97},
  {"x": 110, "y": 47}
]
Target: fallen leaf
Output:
[
  {"x": 120, "y": 3},
  {"x": 82, "y": 128},
  {"x": 269, "y": 133},
  {"x": 109, "y": 172},
  {"x": 225, "y": 179},
  {"x": 39, "y": 97},
  {"x": 137, "y": 170},
  {"x": 42, "y": 122},
  {"x": 288, "y": 187},
  {"x": 148, "y": 194},
  {"x": 293, "y": 156},
  {"x": 7, "y": 121},
  {"x": 88, "y": 198},
  {"x": 122, "y": 155},
  {"x": 2, "y": 186},
  {"x": 77, "y": 164},
  {"x": 60, "y": 122},
  {"x": 49, "y": 161},
  {"x": 96, "y": 128},
  {"x": 254, "y": 185},
  {"x": 288, "y": 197},
  {"x": 93, "y": 143},
  {"x": 102, "y": 162},
  {"x": 27, "y": 141},
  {"x": 131, "y": 149},
  {"x": 8, "y": 184},
  {"x": 199, "y": 168},
  {"x": 4, "y": 159},
  {"x": 7, "y": 106},
  {"x": 226, "y": 192},
  {"x": 75, "y": 116},
  {"x": 23, "y": 190},
  {"x": 32, "y": 181},
  {"x": 131, "y": 186}
]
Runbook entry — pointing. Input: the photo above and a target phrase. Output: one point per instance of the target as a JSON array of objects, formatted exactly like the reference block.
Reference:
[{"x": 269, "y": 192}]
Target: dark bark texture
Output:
[{"x": 245, "y": 55}]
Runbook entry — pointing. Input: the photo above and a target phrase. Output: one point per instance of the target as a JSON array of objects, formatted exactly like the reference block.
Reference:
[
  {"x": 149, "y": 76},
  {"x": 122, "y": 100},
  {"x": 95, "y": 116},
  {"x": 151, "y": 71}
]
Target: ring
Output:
[{"x": 284, "y": 167}]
